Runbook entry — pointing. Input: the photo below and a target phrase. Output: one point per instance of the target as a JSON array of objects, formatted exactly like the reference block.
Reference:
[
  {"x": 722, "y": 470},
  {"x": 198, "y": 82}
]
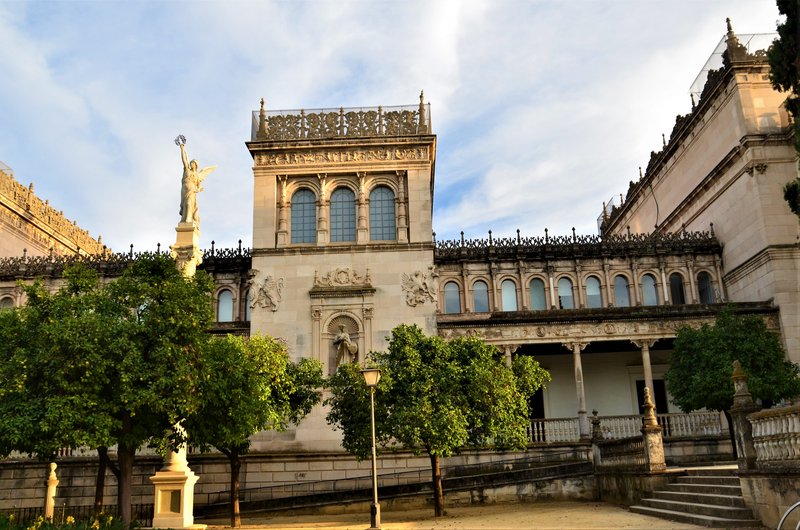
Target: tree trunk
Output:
[
  {"x": 100, "y": 483},
  {"x": 438, "y": 493},
  {"x": 125, "y": 455},
  {"x": 236, "y": 465}
]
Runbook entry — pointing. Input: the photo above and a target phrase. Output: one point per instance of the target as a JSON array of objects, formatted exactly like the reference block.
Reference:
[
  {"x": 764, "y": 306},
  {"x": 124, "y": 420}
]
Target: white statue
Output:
[
  {"x": 190, "y": 184},
  {"x": 346, "y": 349}
]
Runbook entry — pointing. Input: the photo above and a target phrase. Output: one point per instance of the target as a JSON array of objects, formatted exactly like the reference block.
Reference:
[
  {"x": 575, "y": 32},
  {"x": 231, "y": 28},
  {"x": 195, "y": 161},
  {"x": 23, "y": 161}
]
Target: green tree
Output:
[
  {"x": 102, "y": 364},
  {"x": 437, "y": 397},
  {"x": 699, "y": 375},
  {"x": 784, "y": 61},
  {"x": 247, "y": 386}
]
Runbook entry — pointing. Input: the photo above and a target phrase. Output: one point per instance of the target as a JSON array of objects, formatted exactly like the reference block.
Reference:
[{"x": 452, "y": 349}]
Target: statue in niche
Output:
[
  {"x": 190, "y": 184},
  {"x": 346, "y": 349}
]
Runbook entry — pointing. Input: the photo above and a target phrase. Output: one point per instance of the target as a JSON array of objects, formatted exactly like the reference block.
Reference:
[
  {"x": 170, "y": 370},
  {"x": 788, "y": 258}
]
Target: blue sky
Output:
[{"x": 543, "y": 109}]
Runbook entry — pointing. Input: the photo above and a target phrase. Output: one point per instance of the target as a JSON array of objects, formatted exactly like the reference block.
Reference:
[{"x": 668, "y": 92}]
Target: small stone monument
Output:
[{"x": 173, "y": 506}]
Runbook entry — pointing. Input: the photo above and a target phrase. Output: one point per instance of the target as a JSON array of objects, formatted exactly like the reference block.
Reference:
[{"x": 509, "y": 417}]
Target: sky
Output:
[{"x": 542, "y": 109}]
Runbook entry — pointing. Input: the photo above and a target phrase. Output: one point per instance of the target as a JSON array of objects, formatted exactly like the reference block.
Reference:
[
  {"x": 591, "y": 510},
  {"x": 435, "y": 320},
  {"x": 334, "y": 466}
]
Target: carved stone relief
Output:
[
  {"x": 265, "y": 291},
  {"x": 420, "y": 287},
  {"x": 342, "y": 156},
  {"x": 342, "y": 277}
]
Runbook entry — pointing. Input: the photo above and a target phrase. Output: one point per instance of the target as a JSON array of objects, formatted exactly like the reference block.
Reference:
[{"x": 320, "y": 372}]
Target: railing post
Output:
[
  {"x": 50, "y": 498},
  {"x": 651, "y": 436},
  {"x": 742, "y": 428},
  {"x": 597, "y": 436}
]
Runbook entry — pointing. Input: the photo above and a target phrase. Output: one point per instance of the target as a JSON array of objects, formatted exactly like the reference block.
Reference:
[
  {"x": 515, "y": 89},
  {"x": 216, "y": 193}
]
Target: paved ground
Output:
[{"x": 522, "y": 516}]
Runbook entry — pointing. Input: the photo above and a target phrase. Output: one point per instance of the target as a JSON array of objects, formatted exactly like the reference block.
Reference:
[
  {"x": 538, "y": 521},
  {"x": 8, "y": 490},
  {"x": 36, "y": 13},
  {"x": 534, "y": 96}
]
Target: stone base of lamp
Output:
[{"x": 173, "y": 506}]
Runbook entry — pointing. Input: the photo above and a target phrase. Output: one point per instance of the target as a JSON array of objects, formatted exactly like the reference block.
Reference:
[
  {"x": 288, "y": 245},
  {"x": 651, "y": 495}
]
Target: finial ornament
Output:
[
  {"x": 262, "y": 122},
  {"x": 728, "y": 24},
  {"x": 423, "y": 121},
  {"x": 649, "y": 409}
]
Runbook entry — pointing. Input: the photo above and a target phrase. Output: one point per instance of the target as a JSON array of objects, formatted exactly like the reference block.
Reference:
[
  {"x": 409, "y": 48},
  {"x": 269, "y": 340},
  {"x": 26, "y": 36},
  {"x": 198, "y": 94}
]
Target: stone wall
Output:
[{"x": 771, "y": 494}]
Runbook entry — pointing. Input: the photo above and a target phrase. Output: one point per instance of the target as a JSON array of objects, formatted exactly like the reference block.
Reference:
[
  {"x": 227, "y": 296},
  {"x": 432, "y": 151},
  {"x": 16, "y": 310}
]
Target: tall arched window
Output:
[
  {"x": 538, "y": 299},
  {"x": 676, "y": 288},
  {"x": 594, "y": 298},
  {"x": 565, "y": 300},
  {"x": 480, "y": 297},
  {"x": 304, "y": 217},
  {"x": 343, "y": 215},
  {"x": 705, "y": 290},
  {"x": 452, "y": 298},
  {"x": 248, "y": 299},
  {"x": 382, "y": 226},
  {"x": 649, "y": 291},
  {"x": 509, "y": 291},
  {"x": 6, "y": 303},
  {"x": 225, "y": 306},
  {"x": 622, "y": 296}
]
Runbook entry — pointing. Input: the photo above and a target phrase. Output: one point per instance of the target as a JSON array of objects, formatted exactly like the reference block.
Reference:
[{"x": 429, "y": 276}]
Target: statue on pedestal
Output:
[
  {"x": 190, "y": 184},
  {"x": 346, "y": 349}
]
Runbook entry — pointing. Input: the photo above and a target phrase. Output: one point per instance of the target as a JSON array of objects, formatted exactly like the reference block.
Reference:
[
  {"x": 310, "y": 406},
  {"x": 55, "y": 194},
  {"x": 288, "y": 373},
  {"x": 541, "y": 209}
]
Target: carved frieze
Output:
[
  {"x": 342, "y": 156},
  {"x": 342, "y": 277},
  {"x": 420, "y": 286}
]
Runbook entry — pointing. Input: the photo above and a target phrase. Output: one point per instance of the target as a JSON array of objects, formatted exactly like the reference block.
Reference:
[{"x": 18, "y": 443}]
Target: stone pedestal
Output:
[
  {"x": 174, "y": 494},
  {"x": 186, "y": 249},
  {"x": 742, "y": 428}
]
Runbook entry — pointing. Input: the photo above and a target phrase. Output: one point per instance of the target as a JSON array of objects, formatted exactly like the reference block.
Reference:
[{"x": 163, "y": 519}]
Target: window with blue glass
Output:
[
  {"x": 480, "y": 297},
  {"x": 452, "y": 298},
  {"x": 676, "y": 289},
  {"x": 565, "y": 298},
  {"x": 304, "y": 217},
  {"x": 649, "y": 290},
  {"x": 382, "y": 224},
  {"x": 225, "y": 306},
  {"x": 705, "y": 289},
  {"x": 622, "y": 297},
  {"x": 508, "y": 290},
  {"x": 538, "y": 299},
  {"x": 594, "y": 297},
  {"x": 343, "y": 215}
]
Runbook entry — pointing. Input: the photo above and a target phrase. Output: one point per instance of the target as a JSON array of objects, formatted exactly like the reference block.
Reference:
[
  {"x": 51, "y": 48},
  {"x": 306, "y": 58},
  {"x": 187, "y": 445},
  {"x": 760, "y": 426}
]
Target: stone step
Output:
[
  {"x": 711, "y": 489},
  {"x": 735, "y": 501},
  {"x": 704, "y": 479},
  {"x": 696, "y": 508},
  {"x": 713, "y": 472},
  {"x": 701, "y": 520}
]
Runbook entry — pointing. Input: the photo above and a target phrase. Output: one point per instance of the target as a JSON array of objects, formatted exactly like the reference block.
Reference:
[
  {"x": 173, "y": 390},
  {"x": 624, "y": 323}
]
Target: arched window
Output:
[
  {"x": 565, "y": 300},
  {"x": 480, "y": 297},
  {"x": 6, "y": 303},
  {"x": 538, "y": 299},
  {"x": 676, "y": 288},
  {"x": 382, "y": 225},
  {"x": 452, "y": 298},
  {"x": 649, "y": 291},
  {"x": 509, "y": 291},
  {"x": 594, "y": 298},
  {"x": 248, "y": 299},
  {"x": 225, "y": 306},
  {"x": 304, "y": 217},
  {"x": 705, "y": 290},
  {"x": 343, "y": 215},
  {"x": 622, "y": 296}
]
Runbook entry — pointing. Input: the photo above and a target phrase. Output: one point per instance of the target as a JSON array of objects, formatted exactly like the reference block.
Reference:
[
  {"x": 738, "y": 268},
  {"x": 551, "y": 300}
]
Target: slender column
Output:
[
  {"x": 583, "y": 420},
  {"x": 692, "y": 288},
  {"x": 467, "y": 303},
  {"x": 635, "y": 269},
  {"x": 645, "y": 345},
  {"x": 579, "y": 287},
  {"x": 508, "y": 351},
  {"x": 606, "y": 278},
  {"x": 361, "y": 231},
  {"x": 322, "y": 210},
  {"x": 282, "y": 237},
  {"x": 552, "y": 288},
  {"x": 719, "y": 283},
  {"x": 493, "y": 304},
  {"x": 664, "y": 285},
  {"x": 402, "y": 218}
]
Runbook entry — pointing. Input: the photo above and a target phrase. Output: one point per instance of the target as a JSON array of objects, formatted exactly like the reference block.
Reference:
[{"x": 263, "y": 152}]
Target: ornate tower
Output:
[{"x": 342, "y": 235}]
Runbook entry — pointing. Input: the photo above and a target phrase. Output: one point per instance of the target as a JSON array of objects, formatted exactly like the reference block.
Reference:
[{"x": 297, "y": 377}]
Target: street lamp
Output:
[{"x": 371, "y": 377}]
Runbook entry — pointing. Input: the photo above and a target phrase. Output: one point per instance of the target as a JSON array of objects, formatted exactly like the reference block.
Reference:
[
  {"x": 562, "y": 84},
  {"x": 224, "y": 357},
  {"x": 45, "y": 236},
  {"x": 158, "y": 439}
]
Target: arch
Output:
[
  {"x": 452, "y": 298},
  {"x": 622, "y": 293},
  {"x": 538, "y": 294},
  {"x": 304, "y": 216},
  {"x": 6, "y": 302},
  {"x": 480, "y": 297},
  {"x": 343, "y": 215},
  {"x": 565, "y": 296},
  {"x": 382, "y": 219},
  {"x": 705, "y": 288},
  {"x": 676, "y": 293},
  {"x": 594, "y": 296},
  {"x": 225, "y": 306},
  {"x": 649, "y": 290},
  {"x": 508, "y": 292}
]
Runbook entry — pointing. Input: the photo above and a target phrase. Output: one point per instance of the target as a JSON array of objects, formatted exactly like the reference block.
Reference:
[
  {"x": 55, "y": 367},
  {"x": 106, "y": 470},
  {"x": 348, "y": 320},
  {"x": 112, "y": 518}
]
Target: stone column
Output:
[
  {"x": 362, "y": 235},
  {"x": 580, "y": 299},
  {"x": 50, "y": 497},
  {"x": 322, "y": 210},
  {"x": 635, "y": 283},
  {"x": 742, "y": 428},
  {"x": 645, "y": 345},
  {"x": 508, "y": 350},
  {"x": 664, "y": 284},
  {"x": 553, "y": 297},
  {"x": 692, "y": 298},
  {"x": 583, "y": 420},
  {"x": 282, "y": 238},
  {"x": 607, "y": 280},
  {"x": 651, "y": 434},
  {"x": 402, "y": 218}
]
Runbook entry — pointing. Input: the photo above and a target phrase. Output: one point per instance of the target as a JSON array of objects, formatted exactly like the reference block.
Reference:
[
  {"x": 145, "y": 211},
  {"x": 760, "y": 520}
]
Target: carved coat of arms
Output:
[
  {"x": 266, "y": 292},
  {"x": 420, "y": 287}
]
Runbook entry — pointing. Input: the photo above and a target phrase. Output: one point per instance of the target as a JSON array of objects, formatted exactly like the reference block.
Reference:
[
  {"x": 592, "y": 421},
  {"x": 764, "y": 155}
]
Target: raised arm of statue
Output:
[{"x": 184, "y": 157}]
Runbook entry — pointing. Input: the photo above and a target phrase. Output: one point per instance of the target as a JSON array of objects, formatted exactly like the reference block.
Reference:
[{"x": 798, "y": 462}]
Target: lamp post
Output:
[{"x": 371, "y": 377}]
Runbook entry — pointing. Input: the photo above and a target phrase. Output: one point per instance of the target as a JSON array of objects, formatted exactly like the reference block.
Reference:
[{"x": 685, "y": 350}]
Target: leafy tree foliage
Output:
[
  {"x": 247, "y": 386},
  {"x": 700, "y": 368},
  {"x": 784, "y": 61},
  {"x": 102, "y": 364},
  {"x": 437, "y": 397}
]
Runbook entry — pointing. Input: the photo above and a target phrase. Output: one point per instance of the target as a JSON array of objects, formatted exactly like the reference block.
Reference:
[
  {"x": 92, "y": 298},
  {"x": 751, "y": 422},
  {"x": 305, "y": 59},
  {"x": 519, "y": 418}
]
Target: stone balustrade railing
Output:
[
  {"x": 554, "y": 430},
  {"x": 625, "y": 453},
  {"x": 776, "y": 437}
]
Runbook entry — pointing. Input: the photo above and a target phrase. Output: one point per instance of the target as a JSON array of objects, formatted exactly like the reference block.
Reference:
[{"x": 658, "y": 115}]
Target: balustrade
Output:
[{"x": 776, "y": 436}]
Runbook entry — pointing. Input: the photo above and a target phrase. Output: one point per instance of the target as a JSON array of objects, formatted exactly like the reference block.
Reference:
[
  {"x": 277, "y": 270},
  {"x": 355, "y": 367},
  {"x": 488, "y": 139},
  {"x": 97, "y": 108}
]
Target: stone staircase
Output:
[{"x": 710, "y": 497}]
